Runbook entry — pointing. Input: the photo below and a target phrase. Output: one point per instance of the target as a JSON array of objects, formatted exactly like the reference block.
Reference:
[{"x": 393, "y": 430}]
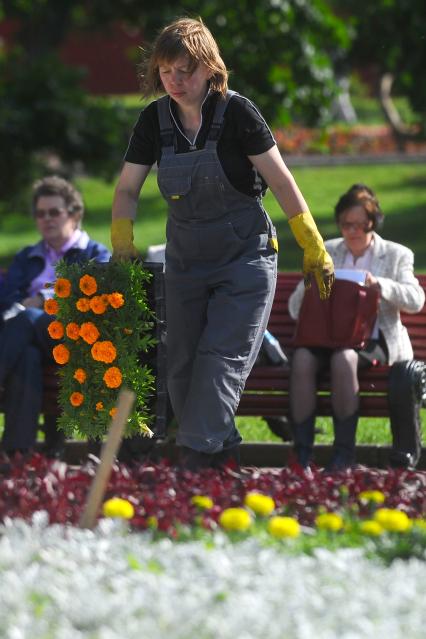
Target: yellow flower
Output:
[
  {"x": 76, "y": 399},
  {"x": 202, "y": 501},
  {"x": 83, "y": 304},
  {"x": 89, "y": 332},
  {"x": 56, "y": 330},
  {"x": 61, "y": 354},
  {"x": 51, "y": 307},
  {"x": 235, "y": 519},
  {"x": 281, "y": 527},
  {"x": 152, "y": 522},
  {"x": 260, "y": 504},
  {"x": 73, "y": 331},
  {"x": 116, "y": 300},
  {"x": 113, "y": 377},
  {"x": 375, "y": 496},
  {"x": 88, "y": 285},
  {"x": 371, "y": 527},
  {"x": 329, "y": 521},
  {"x": 392, "y": 520},
  {"x": 113, "y": 411},
  {"x": 62, "y": 287},
  {"x": 99, "y": 406},
  {"x": 117, "y": 507},
  {"x": 80, "y": 375}
]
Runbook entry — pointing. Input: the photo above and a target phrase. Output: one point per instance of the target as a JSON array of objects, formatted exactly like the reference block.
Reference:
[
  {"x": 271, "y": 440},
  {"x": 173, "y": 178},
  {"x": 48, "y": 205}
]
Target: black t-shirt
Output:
[{"x": 244, "y": 133}]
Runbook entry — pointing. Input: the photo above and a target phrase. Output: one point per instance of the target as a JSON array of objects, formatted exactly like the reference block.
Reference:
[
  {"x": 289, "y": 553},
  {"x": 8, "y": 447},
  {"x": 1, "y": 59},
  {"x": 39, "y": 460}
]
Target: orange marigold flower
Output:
[
  {"x": 97, "y": 305},
  {"x": 51, "y": 307},
  {"x": 76, "y": 399},
  {"x": 104, "y": 352},
  {"x": 80, "y": 375},
  {"x": 62, "y": 287},
  {"x": 113, "y": 377},
  {"x": 72, "y": 330},
  {"x": 61, "y": 354},
  {"x": 88, "y": 285},
  {"x": 56, "y": 330},
  {"x": 83, "y": 304},
  {"x": 113, "y": 411},
  {"x": 89, "y": 332},
  {"x": 116, "y": 300},
  {"x": 99, "y": 406}
]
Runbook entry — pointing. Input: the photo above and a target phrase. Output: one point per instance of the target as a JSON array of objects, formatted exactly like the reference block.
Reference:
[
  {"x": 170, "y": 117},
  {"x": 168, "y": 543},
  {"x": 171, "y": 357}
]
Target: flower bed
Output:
[
  {"x": 342, "y": 140},
  {"x": 386, "y": 508},
  {"x": 271, "y": 553}
]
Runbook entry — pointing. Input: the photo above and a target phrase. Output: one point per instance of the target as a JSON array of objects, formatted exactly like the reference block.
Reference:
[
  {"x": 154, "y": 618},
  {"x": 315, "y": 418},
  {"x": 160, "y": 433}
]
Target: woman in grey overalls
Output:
[{"x": 215, "y": 156}]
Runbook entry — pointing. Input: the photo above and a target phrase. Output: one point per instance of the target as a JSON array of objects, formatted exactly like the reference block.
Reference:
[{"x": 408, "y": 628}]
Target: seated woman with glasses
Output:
[
  {"x": 386, "y": 266},
  {"x": 57, "y": 209}
]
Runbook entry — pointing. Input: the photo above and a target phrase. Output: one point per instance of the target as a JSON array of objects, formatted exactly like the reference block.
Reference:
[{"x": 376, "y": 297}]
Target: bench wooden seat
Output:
[{"x": 267, "y": 388}]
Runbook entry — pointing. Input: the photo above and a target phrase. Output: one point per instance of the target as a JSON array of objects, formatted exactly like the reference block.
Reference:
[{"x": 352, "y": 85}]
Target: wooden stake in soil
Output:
[{"x": 108, "y": 453}]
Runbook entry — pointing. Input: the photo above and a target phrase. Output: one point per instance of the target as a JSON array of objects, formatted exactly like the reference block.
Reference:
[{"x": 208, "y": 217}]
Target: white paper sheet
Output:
[{"x": 353, "y": 275}]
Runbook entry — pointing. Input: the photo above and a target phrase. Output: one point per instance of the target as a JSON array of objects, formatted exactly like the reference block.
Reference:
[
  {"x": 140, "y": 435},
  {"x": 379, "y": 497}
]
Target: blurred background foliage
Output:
[{"x": 289, "y": 56}]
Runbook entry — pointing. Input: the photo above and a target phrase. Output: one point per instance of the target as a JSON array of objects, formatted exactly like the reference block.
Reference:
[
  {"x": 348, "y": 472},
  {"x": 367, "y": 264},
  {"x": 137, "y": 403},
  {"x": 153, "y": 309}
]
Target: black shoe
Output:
[
  {"x": 342, "y": 459},
  {"x": 303, "y": 456},
  {"x": 399, "y": 459},
  {"x": 227, "y": 457},
  {"x": 194, "y": 460}
]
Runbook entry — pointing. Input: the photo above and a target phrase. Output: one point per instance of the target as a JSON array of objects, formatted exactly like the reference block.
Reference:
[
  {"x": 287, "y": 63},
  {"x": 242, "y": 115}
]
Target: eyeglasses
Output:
[
  {"x": 356, "y": 226},
  {"x": 51, "y": 213}
]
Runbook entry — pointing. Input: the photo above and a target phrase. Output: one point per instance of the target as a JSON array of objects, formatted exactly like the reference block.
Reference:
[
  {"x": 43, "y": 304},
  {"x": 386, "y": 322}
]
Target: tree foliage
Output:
[
  {"x": 44, "y": 114},
  {"x": 281, "y": 54},
  {"x": 391, "y": 35}
]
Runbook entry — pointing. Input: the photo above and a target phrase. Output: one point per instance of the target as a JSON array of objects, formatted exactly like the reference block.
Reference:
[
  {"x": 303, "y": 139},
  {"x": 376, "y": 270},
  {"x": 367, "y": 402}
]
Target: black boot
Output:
[
  {"x": 194, "y": 460},
  {"x": 344, "y": 443},
  {"x": 227, "y": 457},
  {"x": 303, "y": 437}
]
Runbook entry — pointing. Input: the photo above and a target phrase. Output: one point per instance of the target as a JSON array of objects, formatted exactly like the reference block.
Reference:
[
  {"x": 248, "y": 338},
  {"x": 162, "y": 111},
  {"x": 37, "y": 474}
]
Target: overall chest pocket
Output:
[{"x": 174, "y": 187}]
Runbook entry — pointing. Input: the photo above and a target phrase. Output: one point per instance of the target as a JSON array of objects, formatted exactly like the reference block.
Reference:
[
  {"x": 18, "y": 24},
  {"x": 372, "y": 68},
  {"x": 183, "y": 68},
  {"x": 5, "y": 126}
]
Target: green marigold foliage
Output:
[{"x": 88, "y": 387}]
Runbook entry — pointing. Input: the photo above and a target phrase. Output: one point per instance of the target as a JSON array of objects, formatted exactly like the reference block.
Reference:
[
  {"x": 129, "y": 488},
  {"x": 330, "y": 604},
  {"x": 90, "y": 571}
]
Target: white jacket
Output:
[{"x": 393, "y": 265}]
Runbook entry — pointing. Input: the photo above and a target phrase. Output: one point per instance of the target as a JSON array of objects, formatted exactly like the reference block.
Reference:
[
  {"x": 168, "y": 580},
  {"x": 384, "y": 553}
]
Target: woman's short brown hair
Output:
[
  {"x": 360, "y": 194},
  {"x": 184, "y": 37}
]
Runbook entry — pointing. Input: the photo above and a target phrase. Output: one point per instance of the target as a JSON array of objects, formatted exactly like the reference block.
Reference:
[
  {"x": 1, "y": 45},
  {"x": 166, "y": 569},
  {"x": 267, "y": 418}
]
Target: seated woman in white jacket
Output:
[{"x": 389, "y": 268}]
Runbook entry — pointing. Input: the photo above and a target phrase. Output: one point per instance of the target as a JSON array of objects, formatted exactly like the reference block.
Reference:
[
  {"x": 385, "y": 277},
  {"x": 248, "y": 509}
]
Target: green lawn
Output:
[
  {"x": 401, "y": 189},
  {"x": 373, "y": 431}
]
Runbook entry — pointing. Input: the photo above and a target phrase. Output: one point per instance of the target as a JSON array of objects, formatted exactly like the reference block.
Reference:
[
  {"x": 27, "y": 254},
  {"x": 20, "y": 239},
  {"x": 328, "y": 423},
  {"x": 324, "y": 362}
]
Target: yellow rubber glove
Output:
[
  {"x": 122, "y": 239},
  {"x": 316, "y": 260}
]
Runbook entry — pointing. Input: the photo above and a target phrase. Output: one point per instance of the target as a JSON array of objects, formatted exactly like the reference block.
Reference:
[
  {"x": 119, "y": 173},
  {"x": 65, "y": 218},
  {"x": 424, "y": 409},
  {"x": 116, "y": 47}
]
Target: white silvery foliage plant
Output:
[{"x": 64, "y": 583}]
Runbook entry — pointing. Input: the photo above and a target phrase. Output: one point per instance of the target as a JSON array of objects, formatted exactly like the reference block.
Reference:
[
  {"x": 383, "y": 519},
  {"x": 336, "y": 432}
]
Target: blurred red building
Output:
[{"x": 109, "y": 57}]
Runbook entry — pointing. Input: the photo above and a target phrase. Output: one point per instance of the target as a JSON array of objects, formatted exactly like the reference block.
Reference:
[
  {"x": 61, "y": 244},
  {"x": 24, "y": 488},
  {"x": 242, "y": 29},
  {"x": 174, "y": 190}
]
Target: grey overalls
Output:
[{"x": 220, "y": 283}]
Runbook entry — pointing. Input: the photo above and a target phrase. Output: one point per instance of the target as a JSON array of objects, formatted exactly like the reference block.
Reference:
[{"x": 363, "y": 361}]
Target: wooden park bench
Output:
[{"x": 267, "y": 389}]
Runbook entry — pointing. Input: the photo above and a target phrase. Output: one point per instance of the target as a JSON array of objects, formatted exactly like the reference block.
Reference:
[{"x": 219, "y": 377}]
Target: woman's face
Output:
[
  {"x": 186, "y": 88},
  {"x": 53, "y": 221},
  {"x": 356, "y": 229}
]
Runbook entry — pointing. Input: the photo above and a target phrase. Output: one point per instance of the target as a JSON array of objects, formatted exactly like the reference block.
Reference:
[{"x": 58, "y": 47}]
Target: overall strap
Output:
[
  {"x": 217, "y": 122},
  {"x": 166, "y": 128}
]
